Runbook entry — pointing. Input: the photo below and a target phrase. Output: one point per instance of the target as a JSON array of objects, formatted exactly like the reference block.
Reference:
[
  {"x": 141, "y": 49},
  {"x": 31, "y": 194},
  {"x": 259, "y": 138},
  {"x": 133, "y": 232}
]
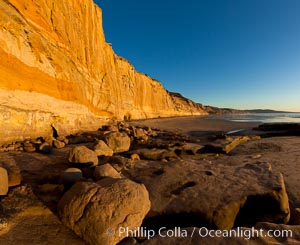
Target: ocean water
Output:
[{"x": 265, "y": 117}]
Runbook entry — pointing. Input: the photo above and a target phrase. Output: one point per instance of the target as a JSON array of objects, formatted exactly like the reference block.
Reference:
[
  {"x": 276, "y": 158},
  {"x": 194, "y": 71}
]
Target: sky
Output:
[{"x": 242, "y": 54}]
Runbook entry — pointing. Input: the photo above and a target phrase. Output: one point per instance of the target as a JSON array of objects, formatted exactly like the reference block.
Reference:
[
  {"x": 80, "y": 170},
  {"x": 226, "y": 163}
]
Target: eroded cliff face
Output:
[{"x": 56, "y": 68}]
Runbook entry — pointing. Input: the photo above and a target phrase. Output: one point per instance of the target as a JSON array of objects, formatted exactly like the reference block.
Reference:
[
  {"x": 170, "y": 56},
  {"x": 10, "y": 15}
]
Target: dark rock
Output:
[
  {"x": 71, "y": 176},
  {"x": 50, "y": 194},
  {"x": 279, "y": 129},
  {"x": 295, "y": 216},
  {"x": 45, "y": 148},
  {"x": 79, "y": 139}
]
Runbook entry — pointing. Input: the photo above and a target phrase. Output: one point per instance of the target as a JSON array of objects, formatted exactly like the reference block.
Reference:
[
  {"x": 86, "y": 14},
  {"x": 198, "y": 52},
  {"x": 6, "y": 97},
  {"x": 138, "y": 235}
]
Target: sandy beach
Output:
[{"x": 195, "y": 125}]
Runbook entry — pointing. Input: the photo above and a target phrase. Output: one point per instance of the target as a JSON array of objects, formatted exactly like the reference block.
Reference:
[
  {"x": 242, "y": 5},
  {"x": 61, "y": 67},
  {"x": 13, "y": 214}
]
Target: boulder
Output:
[
  {"x": 226, "y": 144},
  {"x": 140, "y": 133},
  {"x": 135, "y": 156},
  {"x": 105, "y": 170},
  {"x": 118, "y": 162},
  {"x": 154, "y": 153},
  {"x": 28, "y": 147},
  {"x": 49, "y": 140},
  {"x": 102, "y": 149},
  {"x": 45, "y": 148},
  {"x": 13, "y": 171},
  {"x": 71, "y": 176},
  {"x": 97, "y": 211},
  {"x": 58, "y": 144},
  {"x": 66, "y": 141},
  {"x": 61, "y": 138},
  {"x": 118, "y": 142},
  {"x": 215, "y": 194},
  {"x": 187, "y": 148},
  {"x": 83, "y": 156},
  {"x": 3, "y": 182}
]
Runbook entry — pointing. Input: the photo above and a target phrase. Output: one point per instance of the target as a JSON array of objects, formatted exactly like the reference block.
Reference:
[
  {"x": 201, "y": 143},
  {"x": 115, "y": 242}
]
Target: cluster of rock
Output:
[
  {"x": 43, "y": 145},
  {"x": 101, "y": 189},
  {"x": 131, "y": 176}
]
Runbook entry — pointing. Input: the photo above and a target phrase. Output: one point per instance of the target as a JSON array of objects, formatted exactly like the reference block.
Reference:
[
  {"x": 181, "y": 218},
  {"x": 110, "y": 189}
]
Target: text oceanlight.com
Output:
[{"x": 246, "y": 233}]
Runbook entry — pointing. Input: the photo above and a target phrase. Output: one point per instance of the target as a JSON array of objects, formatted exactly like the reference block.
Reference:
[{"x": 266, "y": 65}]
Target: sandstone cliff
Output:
[{"x": 56, "y": 69}]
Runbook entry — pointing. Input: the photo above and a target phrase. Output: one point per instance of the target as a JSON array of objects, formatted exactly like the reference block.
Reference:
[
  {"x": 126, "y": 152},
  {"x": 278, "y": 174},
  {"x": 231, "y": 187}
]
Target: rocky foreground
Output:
[{"x": 90, "y": 187}]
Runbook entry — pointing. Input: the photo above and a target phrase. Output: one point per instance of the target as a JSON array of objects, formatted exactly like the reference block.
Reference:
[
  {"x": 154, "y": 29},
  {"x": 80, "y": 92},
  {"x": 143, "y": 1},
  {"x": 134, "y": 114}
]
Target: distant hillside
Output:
[
  {"x": 217, "y": 110},
  {"x": 209, "y": 109},
  {"x": 265, "y": 111},
  {"x": 180, "y": 100}
]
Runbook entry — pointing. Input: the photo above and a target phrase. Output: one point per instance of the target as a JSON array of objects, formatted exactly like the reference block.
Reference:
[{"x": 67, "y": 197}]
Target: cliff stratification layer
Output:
[{"x": 57, "y": 69}]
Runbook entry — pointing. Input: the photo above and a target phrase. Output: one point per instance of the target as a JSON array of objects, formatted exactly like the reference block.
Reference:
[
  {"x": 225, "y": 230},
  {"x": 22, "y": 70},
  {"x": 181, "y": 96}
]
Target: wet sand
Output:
[{"x": 196, "y": 125}]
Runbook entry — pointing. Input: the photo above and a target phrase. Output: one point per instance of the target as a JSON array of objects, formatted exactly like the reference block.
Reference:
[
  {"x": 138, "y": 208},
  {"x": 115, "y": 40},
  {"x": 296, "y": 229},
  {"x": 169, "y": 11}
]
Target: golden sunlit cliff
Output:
[{"x": 57, "y": 70}]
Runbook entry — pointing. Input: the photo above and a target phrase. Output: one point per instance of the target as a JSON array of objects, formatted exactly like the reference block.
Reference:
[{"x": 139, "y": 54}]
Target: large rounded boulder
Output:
[
  {"x": 99, "y": 212},
  {"x": 117, "y": 141},
  {"x": 81, "y": 156}
]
